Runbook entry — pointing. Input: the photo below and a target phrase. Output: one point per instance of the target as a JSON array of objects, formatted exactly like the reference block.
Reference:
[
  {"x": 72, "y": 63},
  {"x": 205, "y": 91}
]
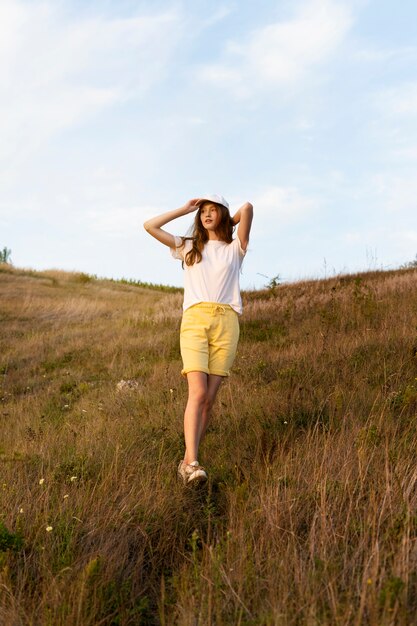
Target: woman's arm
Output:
[
  {"x": 244, "y": 217},
  {"x": 153, "y": 226}
]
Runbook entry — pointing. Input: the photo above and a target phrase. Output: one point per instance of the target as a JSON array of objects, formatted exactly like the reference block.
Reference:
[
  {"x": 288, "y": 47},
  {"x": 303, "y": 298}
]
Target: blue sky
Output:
[{"x": 114, "y": 111}]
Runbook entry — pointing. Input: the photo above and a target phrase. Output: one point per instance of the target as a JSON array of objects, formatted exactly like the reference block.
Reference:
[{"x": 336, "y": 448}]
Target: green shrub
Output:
[
  {"x": 8, "y": 540},
  {"x": 5, "y": 255}
]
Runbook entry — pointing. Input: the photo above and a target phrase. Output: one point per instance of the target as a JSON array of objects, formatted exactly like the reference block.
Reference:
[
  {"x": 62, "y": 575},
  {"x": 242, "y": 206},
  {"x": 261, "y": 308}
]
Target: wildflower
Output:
[
  {"x": 66, "y": 496},
  {"x": 48, "y": 529},
  {"x": 41, "y": 481},
  {"x": 73, "y": 479},
  {"x": 285, "y": 422},
  {"x": 171, "y": 391},
  {"x": 20, "y": 510}
]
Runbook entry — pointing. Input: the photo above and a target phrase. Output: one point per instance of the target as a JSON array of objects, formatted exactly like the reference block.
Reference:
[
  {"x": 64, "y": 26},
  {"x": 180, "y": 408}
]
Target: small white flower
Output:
[
  {"x": 20, "y": 510},
  {"x": 171, "y": 391},
  {"x": 41, "y": 481},
  {"x": 48, "y": 529}
]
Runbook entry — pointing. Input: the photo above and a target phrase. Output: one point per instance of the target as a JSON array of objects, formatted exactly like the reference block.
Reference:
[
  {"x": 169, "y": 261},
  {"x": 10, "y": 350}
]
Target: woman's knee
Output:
[
  {"x": 197, "y": 387},
  {"x": 198, "y": 395}
]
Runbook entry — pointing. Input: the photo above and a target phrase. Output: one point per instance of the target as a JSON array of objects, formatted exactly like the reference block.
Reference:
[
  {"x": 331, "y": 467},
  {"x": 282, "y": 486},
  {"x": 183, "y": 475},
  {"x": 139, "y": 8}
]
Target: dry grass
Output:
[{"x": 310, "y": 513}]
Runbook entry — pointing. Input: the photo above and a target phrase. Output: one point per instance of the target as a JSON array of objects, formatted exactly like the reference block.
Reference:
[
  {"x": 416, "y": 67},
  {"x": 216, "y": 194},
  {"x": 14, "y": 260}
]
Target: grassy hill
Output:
[{"x": 310, "y": 513}]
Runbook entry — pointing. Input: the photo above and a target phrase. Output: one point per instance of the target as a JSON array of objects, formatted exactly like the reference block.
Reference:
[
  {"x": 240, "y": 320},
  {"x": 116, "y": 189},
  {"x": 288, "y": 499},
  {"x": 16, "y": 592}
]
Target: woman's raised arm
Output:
[
  {"x": 153, "y": 226},
  {"x": 244, "y": 217}
]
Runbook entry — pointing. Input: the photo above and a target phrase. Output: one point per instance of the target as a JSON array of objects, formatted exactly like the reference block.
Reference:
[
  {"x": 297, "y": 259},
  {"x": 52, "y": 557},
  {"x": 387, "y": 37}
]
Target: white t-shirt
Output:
[{"x": 216, "y": 277}]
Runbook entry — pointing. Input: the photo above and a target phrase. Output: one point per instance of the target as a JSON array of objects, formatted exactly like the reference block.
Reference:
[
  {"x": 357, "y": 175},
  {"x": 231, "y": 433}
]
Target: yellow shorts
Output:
[{"x": 208, "y": 338}]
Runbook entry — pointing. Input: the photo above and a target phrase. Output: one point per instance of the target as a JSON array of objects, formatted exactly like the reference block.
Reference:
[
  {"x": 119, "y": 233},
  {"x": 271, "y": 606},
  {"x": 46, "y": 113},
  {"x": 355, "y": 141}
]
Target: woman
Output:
[{"x": 209, "y": 332}]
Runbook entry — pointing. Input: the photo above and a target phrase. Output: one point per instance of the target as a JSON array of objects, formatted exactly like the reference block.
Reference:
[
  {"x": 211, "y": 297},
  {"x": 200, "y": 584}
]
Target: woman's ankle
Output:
[{"x": 188, "y": 461}]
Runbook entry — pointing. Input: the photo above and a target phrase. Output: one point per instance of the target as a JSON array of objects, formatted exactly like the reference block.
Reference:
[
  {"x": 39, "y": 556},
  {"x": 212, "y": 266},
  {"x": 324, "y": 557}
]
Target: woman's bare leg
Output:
[
  {"x": 197, "y": 394},
  {"x": 213, "y": 385}
]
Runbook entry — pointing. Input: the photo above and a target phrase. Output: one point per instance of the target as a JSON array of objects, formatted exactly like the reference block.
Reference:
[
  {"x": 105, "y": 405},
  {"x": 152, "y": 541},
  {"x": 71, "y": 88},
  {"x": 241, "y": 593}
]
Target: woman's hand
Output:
[
  {"x": 191, "y": 205},
  {"x": 154, "y": 225}
]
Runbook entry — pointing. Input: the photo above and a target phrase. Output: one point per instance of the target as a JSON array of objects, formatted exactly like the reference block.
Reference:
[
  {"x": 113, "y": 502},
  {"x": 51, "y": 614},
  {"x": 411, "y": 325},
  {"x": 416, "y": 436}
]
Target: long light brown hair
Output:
[{"x": 199, "y": 234}]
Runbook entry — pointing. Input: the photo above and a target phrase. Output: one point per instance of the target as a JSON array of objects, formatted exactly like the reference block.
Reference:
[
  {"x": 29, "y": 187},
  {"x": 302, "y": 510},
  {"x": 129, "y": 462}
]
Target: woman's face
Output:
[{"x": 210, "y": 216}]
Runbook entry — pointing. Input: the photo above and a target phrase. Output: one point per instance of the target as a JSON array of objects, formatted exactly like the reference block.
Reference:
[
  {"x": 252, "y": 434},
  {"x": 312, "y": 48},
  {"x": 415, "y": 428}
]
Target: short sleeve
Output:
[{"x": 178, "y": 251}]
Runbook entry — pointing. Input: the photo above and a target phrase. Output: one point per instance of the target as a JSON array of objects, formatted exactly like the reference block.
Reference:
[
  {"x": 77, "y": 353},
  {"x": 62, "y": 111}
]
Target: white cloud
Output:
[
  {"x": 354, "y": 237},
  {"x": 406, "y": 153},
  {"x": 118, "y": 222},
  {"x": 409, "y": 235},
  {"x": 392, "y": 243},
  {"x": 277, "y": 207},
  {"x": 398, "y": 101},
  {"x": 395, "y": 194},
  {"x": 57, "y": 70},
  {"x": 282, "y": 53},
  {"x": 218, "y": 16},
  {"x": 393, "y": 129},
  {"x": 383, "y": 55}
]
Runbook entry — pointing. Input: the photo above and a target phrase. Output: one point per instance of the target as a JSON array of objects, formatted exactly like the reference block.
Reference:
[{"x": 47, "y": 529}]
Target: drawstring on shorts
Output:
[{"x": 213, "y": 308}]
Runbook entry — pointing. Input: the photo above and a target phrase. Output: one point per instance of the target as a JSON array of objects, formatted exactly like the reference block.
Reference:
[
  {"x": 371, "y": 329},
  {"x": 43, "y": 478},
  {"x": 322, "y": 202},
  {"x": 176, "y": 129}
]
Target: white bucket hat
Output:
[{"x": 214, "y": 197}]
